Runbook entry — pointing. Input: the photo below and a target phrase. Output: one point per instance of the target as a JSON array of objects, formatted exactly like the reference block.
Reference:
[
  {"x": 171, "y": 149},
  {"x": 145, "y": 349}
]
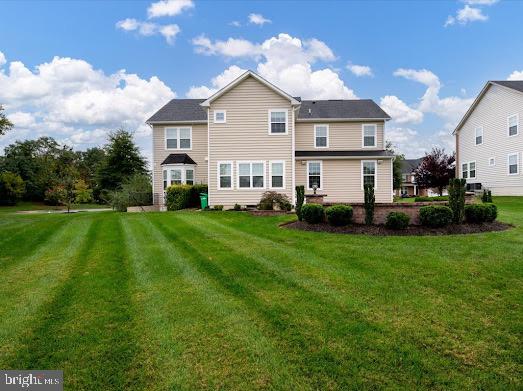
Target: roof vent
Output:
[
  {"x": 310, "y": 112},
  {"x": 313, "y": 102}
]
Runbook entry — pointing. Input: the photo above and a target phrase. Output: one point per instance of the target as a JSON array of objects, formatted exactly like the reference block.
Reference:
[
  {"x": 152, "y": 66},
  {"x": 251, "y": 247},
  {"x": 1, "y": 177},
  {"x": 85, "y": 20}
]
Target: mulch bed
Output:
[
  {"x": 256, "y": 212},
  {"x": 413, "y": 230}
]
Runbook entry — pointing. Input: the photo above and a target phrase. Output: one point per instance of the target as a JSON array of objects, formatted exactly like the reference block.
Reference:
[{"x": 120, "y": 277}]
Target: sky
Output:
[{"x": 75, "y": 70}]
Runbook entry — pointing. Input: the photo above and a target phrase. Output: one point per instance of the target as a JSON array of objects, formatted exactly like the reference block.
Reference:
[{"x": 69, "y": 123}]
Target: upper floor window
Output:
[
  {"x": 224, "y": 175},
  {"x": 479, "y": 135},
  {"x": 513, "y": 164},
  {"x": 178, "y": 138},
  {"x": 314, "y": 175},
  {"x": 513, "y": 125},
  {"x": 321, "y": 136},
  {"x": 278, "y": 121},
  {"x": 368, "y": 173},
  {"x": 220, "y": 116},
  {"x": 251, "y": 175},
  {"x": 369, "y": 135},
  {"x": 277, "y": 170},
  {"x": 492, "y": 162}
]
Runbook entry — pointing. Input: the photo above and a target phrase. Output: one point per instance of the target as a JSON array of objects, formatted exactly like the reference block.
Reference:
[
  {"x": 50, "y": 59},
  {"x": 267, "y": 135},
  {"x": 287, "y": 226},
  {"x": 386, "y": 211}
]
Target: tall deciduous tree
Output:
[
  {"x": 435, "y": 170},
  {"x": 5, "y": 124}
]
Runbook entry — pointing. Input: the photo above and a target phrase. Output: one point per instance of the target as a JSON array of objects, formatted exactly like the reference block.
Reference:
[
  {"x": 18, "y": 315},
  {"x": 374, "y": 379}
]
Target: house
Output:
[
  {"x": 250, "y": 137},
  {"x": 489, "y": 140},
  {"x": 408, "y": 182}
]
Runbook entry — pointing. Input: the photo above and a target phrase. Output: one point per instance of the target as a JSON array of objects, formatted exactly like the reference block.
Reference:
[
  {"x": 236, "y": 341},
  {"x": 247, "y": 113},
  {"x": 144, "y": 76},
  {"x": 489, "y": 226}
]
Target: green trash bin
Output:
[{"x": 204, "y": 197}]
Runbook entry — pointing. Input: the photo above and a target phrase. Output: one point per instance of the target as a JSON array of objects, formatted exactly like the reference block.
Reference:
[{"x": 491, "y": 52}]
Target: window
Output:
[
  {"x": 178, "y": 138},
  {"x": 513, "y": 125},
  {"x": 369, "y": 135},
  {"x": 479, "y": 135},
  {"x": 277, "y": 170},
  {"x": 321, "y": 136},
  {"x": 177, "y": 175},
  {"x": 368, "y": 173},
  {"x": 251, "y": 175},
  {"x": 224, "y": 175},
  {"x": 314, "y": 175},
  {"x": 465, "y": 170},
  {"x": 492, "y": 162},
  {"x": 513, "y": 164},
  {"x": 220, "y": 117},
  {"x": 472, "y": 170},
  {"x": 278, "y": 121}
]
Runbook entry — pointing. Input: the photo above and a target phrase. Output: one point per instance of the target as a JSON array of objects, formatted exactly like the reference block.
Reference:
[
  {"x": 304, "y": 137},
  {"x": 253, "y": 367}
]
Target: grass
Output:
[
  {"x": 26, "y": 206},
  {"x": 224, "y": 300}
]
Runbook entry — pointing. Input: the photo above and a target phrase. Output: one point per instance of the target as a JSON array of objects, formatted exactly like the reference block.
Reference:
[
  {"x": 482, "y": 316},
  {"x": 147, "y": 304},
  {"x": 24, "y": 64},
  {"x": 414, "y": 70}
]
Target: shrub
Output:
[
  {"x": 397, "y": 220},
  {"x": 218, "y": 207},
  {"x": 179, "y": 196},
  {"x": 480, "y": 213},
  {"x": 435, "y": 216},
  {"x": 369, "y": 203},
  {"x": 237, "y": 207},
  {"x": 456, "y": 197},
  {"x": 430, "y": 199},
  {"x": 313, "y": 213},
  {"x": 12, "y": 188},
  {"x": 271, "y": 198},
  {"x": 486, "y": 196},
  {"x": 300, "y": 196},
  {"x": 339, "y": 215}
]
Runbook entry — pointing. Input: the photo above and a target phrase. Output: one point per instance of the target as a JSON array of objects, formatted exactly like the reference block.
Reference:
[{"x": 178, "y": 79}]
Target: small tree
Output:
[
  {"x": 369, "y": 203},
  {"x": 457, "y": 199},
  {"x": 435, "y": 170},
  {"x": 82, "y": 192},
  {"x": 486, "y": 196},
  {"x": 12, "y": 188},
  {"x": 5, "y": 124},
  {"x": 300, "y": 196}
]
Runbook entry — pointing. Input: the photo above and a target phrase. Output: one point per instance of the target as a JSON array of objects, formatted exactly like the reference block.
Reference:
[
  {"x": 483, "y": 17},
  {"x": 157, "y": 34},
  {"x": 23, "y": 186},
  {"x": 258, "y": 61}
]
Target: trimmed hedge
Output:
[
  {"x": 430, "y": 199},
  {"x": 397, "y": 220},
  {"x": 435, "y": 216},
  {"x": 480, "y": 213},
  {"x": 179, "y": 196},
  {"x": 313, "y": 213},
  {"x": 339, "y": 215}
]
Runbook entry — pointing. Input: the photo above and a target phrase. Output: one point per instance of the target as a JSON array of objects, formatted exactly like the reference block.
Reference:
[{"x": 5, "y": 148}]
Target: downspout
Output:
[
  {"x": 293, "y": 159},
  {"x": 208, "y": 158}
]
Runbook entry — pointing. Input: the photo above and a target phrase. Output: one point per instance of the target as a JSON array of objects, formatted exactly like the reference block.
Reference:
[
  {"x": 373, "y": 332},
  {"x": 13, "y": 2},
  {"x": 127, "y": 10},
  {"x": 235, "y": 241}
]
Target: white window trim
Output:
[
  {"x": 177, "y": 138},
  {"x": 464, "y": 164},
  {"x": 475, "y": 169},
  {"x": 286, "y": 121},
  {"x": 508, "y": 125},
  {"x": 363, "y": 136},
  {"x": 321, "y": 174},
  {"x": 251, "y": 162},
  {"x": 180, "y": 166},
  {"x": 476, "y": 135},
  {"x": 270, "y": 173},
  {"x": 224, "y": 116},
  {"x": 218, "y": 175},
  {"x": 314, "y": 134},
  {"x": 493, "y": 164},
  {"x": 517, "y": 163},
  {"x": 375, "y": 172}
]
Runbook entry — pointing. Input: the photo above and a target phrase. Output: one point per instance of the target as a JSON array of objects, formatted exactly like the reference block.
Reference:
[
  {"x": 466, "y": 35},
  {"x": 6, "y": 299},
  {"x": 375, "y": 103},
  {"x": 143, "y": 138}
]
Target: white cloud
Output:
[
  {"x": 399, "y": 111},
  {"x": 469, "y": 14},
  {"x": 258, "y": 19},
  {"x": 148, "y": 29},
  {"x": 70, "y": 100},
  {"x": 480, "y": 2},
  {"x": 217, "y": 83},
  {"x": 285, "y": 61},
  {"x": 235, "y": 23},
  {"x": 516, "y": 75},
  {"x": 2, "y": 59},
  {"x": 168, "y": 8},
  {"x": 360, "y": 70}
]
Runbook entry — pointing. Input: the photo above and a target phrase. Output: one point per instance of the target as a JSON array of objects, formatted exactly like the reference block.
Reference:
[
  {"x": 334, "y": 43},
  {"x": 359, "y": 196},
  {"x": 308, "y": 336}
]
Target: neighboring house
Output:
[
  {"x": 408, "y": 181},
  {"x": 251, "y": 137},
  {"x": 489, "y": 140}
]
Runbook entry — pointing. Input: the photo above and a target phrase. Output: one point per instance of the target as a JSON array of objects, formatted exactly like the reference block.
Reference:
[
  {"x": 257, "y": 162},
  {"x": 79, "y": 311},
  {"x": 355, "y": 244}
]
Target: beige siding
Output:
[
  {"x": 342, "y": 135},
  {"x": 245, "y": 137},
  {"x": 198, "y": 153},
  {"x": 491, "y": 113},
  {"x": 342, "y": 180}
]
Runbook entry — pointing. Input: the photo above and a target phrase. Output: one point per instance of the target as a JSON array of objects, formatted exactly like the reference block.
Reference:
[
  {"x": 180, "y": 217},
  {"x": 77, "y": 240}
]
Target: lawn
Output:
[{"x": 224, "y": 300}]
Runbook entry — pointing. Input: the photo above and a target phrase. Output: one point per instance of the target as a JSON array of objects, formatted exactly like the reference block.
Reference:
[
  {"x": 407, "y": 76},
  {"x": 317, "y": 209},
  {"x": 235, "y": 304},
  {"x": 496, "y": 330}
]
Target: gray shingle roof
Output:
[
  {"x": 178, "y": 158},
  {"x": 355, "y": 108},
  {"x": 181, "y": 110},
  {"x": 357, "y": 153},
  {"x": 409, "y": 165},
  {"x": 190, "y": 110},
  {"x": 514, "y": 84}
]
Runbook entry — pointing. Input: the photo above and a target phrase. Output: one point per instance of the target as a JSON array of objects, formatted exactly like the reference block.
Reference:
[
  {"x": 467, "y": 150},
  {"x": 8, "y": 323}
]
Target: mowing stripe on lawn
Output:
[
  {"x": 202, "y": 338},
  {"x": 87, "y": 329},
  {"x": 30, "y": 282}
]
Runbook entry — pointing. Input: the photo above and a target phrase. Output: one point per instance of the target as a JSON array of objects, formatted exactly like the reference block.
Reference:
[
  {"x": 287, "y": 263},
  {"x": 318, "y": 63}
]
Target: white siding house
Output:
[{"x": 489, "y": 140}]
